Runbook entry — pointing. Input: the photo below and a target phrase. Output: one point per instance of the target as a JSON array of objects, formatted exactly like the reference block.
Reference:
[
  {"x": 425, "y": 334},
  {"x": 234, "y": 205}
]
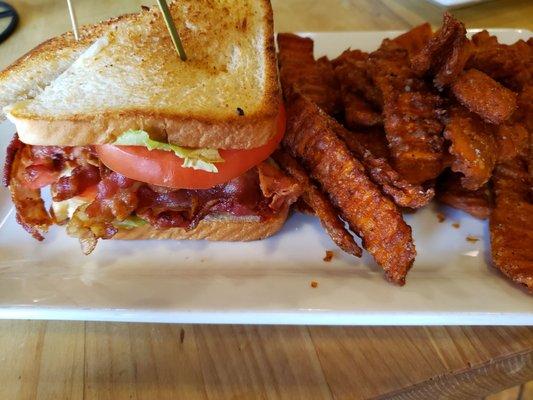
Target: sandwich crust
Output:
[
  {"x": 227, "y": 229},
  {"x": 231, "y": 133}
]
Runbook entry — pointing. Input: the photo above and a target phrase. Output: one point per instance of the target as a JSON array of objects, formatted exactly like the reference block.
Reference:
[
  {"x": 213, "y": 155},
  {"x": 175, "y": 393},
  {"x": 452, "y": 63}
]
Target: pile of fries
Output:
[{"x": 428, "y": 114}]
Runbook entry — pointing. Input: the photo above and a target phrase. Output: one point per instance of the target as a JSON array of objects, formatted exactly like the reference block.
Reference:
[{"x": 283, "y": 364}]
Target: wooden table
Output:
[{"x": 77, "y": 360}]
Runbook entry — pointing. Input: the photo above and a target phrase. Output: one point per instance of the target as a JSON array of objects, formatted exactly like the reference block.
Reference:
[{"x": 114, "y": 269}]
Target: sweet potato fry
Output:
[
  {"x": 446, "y": 53},
  {"x": 384, "y": 176},
  {"x": 511, "y": 221},
  {"x": 300, "y": 72},
  {"x": 484, "y": 96},
  {"x": 351, "y": 70},
  {"x": 318, "y": 203},
  {"x": 412, "y": 112},
  {"x": 473, "y": 147},
  {"x": 414, "y": 133},
  {"x": 415, "y": 39},
  {"x": 357, "y": 112},
  {"x": 310, "y": 137},
  {"x": 451, "y": 192},
  {"x": 512, "y": 65},
  {"x": 524, "y": 113},
  {"x": 511, "y": 141},
  {"x": 373, "y": 139}
]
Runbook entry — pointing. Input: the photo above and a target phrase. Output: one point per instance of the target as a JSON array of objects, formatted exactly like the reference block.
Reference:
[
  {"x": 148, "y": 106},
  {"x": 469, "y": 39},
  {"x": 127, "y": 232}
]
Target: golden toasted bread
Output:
[{"x": 226, "y": 95}]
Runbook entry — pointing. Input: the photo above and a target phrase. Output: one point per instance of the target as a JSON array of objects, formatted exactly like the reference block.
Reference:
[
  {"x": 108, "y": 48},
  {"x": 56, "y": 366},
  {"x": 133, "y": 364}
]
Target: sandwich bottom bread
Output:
[
  {"x": 217, "y": 228},
  {"x": 95, "y": 202}
]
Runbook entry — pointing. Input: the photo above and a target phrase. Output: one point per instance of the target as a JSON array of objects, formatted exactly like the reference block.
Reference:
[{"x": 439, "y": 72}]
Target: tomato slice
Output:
[{"x": 163, "y": 168}]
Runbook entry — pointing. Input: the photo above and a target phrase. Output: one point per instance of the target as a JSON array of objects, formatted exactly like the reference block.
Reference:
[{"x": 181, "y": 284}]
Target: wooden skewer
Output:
[
  {"x": 172, "y": 29},
  {"x": 73, "y": 20}
]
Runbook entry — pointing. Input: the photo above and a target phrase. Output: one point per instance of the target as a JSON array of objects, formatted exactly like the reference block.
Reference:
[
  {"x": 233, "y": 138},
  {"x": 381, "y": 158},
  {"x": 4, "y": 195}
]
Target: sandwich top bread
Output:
[{"x": 225, "y": 96}]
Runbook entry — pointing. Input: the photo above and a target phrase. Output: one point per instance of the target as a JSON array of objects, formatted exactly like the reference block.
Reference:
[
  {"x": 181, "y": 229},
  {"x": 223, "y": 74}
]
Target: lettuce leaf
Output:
[
  {"x": 131, "y": 222},
  {"x": 200, "y": 159}
]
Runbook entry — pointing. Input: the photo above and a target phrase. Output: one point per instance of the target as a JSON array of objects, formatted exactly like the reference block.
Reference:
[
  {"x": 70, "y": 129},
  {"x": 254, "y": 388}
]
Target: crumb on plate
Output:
[
  {"x": 456, "y": 225},
  {"x": 441, "y": 217},
  {"x": 472, "y": 239},
  {"x": 328, "y": 256},
  {"x": 314, "y": 284}
]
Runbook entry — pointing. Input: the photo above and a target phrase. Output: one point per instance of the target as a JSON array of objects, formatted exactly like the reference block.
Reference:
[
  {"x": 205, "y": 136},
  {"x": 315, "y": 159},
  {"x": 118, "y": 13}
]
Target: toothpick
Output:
[
  {"x": 172, "y": 29},
  {"x": 73, "y": 20}
]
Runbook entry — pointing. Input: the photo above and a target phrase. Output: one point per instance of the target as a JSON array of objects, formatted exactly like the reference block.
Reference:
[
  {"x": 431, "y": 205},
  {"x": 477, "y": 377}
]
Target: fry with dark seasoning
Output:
[
  {"x": 358, "y": 112},
  {"x": 484, "y": 96},
  {"x": 473, "y": 147},
  {"x": 511, "y": 223},
  {"x": 319, "y": 203},
  {"x": 511, "y": 141},
  {"x": 300, "y": 72},
  {"x": 311, "y": 138},
  {"x": 414, "y": 132},
  {"x": 352, "y": 73},
  {"x": 412, "y": 113},
  {"x": 445, "y": 54},
  {"x": 510, "y": 64},
  {"x": 416, "y": 39},
  {"x": 451, "y": 192},
  {"x": 383, "y": 175}
]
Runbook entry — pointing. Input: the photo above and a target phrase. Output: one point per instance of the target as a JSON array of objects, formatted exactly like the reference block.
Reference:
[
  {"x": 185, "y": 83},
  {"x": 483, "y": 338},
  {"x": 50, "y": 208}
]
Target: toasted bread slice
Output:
[
  {"x": 30, "y": 74},
  {"x": 228, "y": 229},
  {"x": 226, "y": 95}
]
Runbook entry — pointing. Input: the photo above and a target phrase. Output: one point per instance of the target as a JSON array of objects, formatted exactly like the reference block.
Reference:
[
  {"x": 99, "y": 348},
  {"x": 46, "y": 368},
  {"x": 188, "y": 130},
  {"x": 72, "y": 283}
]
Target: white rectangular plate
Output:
[
  {"x": 262, "y": 282},
  {"x": 452, "y": 4}
]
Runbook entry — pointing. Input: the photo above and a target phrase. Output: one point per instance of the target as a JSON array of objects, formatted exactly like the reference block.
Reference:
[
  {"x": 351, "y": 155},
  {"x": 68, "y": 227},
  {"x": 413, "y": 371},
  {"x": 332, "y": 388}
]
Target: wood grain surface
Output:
[
  {"x": 115, "y": 361},
  {"x": 77, "y": 360}
]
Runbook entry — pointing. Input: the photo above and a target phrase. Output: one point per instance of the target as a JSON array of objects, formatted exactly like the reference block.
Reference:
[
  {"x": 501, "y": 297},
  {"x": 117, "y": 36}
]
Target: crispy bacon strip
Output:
[
  {"x": 278, "y": 187},
  {"x": 311, "y": 138},
  {"x": 484, "y": 96},
  {"x": 300, "y": 72},
  {"x": 115, "y": 199},
  {"x": 31, "y": 213},
  {"x": 446, "y": 53},
  {"x": 472, "y": 145},
  {"x": 383, "y": 175},
  {"x": 81, "y": 178},
  {"x": 12, "y": 149},
  {"x": 451, "y": 192},
  {"x": 511, "y": 221},
  {"x": 318, "y": 203},
  {"x": 260, "y": 192}
]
